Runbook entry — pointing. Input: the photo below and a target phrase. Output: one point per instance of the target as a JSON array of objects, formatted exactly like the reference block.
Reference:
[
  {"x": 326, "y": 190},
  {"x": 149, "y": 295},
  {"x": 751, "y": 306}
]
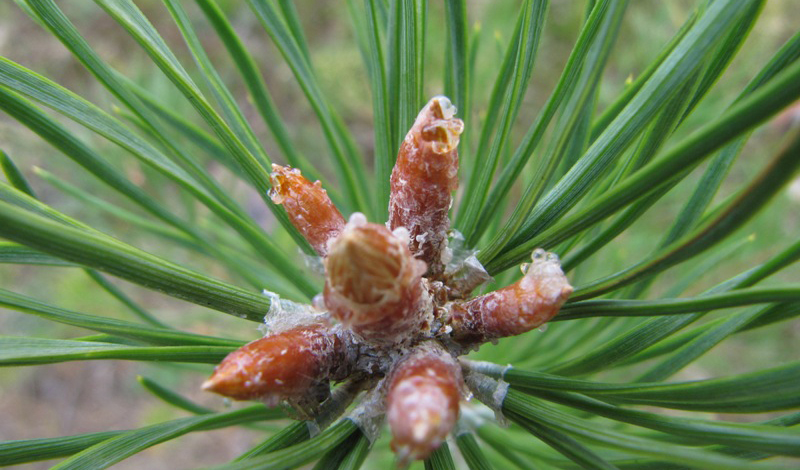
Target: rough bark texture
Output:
[
  {"x": 279, "y": 367},
  {"x": 308, "y": 206},
  {"x": 513, "y": 310},
  {"x": 423, "y": 179},
  {"x": 422, "y": 401}
]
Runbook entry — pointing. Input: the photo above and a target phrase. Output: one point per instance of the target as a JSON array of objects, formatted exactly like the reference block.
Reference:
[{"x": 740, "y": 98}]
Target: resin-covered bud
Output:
[
  {"x": 422, "y": 401},
  {"x": 423, "y": 180},
  {"x": 308, "y": 206},
  {"x": 291, "y": 365},
  {"x": 516, "y": 309},
  {"x": 374, "y": 284}
]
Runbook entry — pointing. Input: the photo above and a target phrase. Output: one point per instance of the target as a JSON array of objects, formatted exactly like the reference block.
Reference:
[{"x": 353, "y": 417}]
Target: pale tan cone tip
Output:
[
  {"x": 369, "y": 266},
  {"x": 445, "y": 130}
]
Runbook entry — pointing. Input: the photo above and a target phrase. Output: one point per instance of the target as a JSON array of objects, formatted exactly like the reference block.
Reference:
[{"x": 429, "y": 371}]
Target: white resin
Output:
[
  {"x": 284, "y": 315},
  {"x": 463, "y": 271},
  {"x": 369, "y": 415}
]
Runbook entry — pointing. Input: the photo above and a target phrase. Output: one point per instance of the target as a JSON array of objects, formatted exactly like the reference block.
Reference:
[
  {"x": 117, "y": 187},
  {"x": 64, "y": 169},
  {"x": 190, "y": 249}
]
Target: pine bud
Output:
[
  {"x": 308, "y": 206},
  {"x": 422, "y": 401},
  {"x": 423, "y": 179},
  {"x": 516, "y": 309},
  {"x": 286, "y": 365},
  {"x": 374, "y": 284}
]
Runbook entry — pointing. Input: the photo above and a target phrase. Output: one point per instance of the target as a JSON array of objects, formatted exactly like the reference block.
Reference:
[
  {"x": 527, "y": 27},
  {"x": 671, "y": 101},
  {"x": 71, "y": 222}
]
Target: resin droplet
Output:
[
  {"x": 423, "y": 179},
  {"x": 308, "y": 206},
  {"x": 374, "y": 284},
  {"x": 516, "y": 309},
  {"x": 422, "y": 402},
  {"x": 284, "y": 366}
]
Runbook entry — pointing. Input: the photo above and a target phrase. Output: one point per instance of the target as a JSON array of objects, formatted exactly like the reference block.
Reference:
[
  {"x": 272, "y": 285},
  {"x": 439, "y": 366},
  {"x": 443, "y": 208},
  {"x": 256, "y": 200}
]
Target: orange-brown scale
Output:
[
  {"x": 513, "y": 310},
  {"x": 280, "y": 366},
  {"x": 423, "y": 180},
  {"x": 422, "y": 401},
  {"x": 308, "y": 206},
  {"x": 374, "y": 285}
]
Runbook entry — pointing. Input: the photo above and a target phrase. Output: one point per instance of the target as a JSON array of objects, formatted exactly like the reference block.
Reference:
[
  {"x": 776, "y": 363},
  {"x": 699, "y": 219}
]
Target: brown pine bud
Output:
[
  {"x": 423, "y": 179},
  {"x": 286, "y": 365},
  {"x": 422, "y": 401},
  {"x": 374, "y": 284},
  {"x": 308, "y": 205},
  {"x": 516, "y": 309}
]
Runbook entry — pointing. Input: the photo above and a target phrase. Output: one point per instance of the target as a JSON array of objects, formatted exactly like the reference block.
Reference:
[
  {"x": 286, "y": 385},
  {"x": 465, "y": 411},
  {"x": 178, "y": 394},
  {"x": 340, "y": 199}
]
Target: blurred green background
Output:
[{"x": 91, "y": 396}]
